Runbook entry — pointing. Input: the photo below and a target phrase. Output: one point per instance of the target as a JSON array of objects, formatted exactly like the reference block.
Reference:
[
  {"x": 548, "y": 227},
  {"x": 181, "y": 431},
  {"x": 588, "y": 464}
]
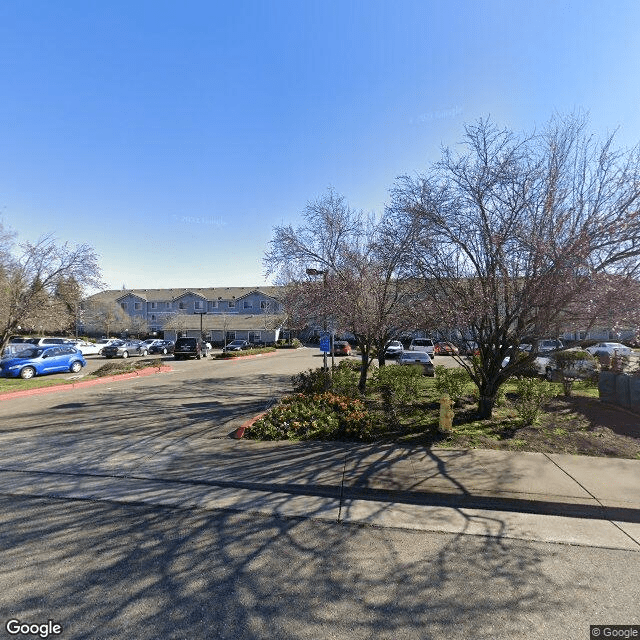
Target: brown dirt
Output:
[{"x": 577, "y": 425}]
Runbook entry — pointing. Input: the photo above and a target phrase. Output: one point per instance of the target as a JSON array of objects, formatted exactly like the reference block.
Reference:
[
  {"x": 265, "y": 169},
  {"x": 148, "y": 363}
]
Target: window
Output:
[
  {"x": 123, "y": 306},
  {"x": 137, "y": 306},
  {"x": 199, "y": 305},
  {"x": 231, "y": 304},
  {"x": 153, "y": 318},
  {"x": 264, "y": 305},
  {"x": 181, "y": 305},
  {"x": 154, "y": 305},
  {"x": 248, "y": 304},
  {"x": 168, "y": 305}
]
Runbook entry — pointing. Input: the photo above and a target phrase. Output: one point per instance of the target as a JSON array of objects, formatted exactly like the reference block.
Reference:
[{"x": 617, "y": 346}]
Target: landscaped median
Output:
[
  {"x": 248, "y": 353},
  {"x": 402, "y": 405},
  {"x": 110, "y": 372}
]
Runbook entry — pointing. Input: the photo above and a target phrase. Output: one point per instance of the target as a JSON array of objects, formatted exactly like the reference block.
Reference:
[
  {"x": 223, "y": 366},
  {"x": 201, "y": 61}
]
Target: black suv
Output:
[{"x": 188, "y": 348}]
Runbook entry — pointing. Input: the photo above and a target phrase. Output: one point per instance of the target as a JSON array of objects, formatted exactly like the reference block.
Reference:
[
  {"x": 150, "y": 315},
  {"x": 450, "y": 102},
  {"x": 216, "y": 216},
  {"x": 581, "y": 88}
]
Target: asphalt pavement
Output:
[{"x": 534, "y": 496}]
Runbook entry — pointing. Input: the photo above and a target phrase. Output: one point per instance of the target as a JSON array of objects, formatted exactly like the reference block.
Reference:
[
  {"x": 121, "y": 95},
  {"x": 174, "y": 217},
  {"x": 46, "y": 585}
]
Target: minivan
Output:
[{"x": 422, "y": 344}]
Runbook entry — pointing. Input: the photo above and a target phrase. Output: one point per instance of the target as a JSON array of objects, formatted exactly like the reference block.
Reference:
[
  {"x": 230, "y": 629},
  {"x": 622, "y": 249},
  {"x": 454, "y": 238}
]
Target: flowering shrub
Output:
[{"x": 321, "y": 416}]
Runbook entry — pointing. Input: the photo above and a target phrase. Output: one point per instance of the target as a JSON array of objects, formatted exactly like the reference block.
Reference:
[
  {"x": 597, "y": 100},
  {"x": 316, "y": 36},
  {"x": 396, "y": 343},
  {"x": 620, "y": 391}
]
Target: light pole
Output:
[{"x": 200, "y": 313}]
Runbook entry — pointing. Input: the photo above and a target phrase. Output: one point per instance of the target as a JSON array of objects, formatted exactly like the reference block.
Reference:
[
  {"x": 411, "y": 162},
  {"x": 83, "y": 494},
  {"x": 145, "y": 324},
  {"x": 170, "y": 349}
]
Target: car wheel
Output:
[
  {"x": 125, "y": 354},
  {"x": 164, "y": 351},
  {"x": 100, "y": 352},
  {"x": 27, "y": 373},
  {"x": 75, "y": 366},
  {"x": 548, "y": 374},
  {"x": 145, "y": 352},
  {"x": 198, "y": 356}
]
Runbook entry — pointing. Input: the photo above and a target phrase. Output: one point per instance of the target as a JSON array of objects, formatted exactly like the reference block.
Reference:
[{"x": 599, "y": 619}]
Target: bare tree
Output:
[
  {"x": 41, "y": 283},
  {"x": 515, "y": 234},
  {"x": 359, "y": 291},
  {"x": 103, "y": 316}
]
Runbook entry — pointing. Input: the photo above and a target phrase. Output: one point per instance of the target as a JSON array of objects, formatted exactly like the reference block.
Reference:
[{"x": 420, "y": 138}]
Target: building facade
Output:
[{"x": 219, "y": 313}]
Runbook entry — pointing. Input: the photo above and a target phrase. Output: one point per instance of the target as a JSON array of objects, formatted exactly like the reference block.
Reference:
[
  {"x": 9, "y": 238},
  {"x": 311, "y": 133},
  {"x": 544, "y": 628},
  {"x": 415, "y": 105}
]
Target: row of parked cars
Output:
[{"x": 28, "y": 357}]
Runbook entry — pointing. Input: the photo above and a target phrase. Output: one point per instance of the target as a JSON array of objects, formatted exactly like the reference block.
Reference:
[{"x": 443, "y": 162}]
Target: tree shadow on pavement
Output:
[{"x": 104, "y": 570}]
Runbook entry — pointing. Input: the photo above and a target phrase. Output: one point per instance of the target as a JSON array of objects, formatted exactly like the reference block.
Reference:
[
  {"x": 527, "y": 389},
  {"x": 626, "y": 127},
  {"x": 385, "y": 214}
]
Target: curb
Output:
[
  {"x": 239, "y": 432},
  {"x": 87, "y": 383}
]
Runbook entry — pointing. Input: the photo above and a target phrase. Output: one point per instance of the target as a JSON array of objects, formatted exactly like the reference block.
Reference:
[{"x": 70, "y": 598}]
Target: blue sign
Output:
[{"x": 325, "y": 344}]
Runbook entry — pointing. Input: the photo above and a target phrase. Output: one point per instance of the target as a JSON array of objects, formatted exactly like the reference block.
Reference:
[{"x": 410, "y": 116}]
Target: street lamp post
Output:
[{"x": 200, "y": 313}]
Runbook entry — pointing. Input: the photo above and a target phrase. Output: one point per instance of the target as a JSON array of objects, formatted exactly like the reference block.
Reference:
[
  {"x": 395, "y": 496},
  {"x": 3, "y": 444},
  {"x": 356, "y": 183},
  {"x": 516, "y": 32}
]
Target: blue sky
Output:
[{"x": 173, "y": 136}]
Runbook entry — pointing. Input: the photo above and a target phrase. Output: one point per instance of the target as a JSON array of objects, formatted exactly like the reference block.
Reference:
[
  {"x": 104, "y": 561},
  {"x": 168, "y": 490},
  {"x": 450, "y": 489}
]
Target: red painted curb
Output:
[
  {"x": 87, "y": 383},
  {"x": 245, "y": 425}
]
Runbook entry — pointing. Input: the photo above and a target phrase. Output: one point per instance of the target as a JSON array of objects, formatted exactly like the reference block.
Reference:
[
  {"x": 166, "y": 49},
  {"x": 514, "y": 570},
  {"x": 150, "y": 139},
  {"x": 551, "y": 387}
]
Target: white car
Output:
[
  {"x": 610, "y": 348},
  {"x": 87, "y": 348},
  {"x": 546, "y": 365},
  {"x": 422, "y": 344},
  {"x": 394, "y": 349}
]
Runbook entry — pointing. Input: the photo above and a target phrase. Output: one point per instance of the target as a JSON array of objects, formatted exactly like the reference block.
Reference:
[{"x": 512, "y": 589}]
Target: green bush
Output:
[
  {"x": 311, "y": 381},
  {"x": 398, "y": 385},
  {"x": 532, "y": 396},
  {"x": 575, "y": 365},
  {"x": 322, "y": 416},
  {"x": 453, "y": 382},
  {"x": 284, "y": 344},
  {"x": 344, "y": 379}
]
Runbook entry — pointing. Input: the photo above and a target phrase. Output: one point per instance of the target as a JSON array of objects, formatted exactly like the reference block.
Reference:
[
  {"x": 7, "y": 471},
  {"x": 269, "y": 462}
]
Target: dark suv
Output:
[{"x": 188, "y": 348}]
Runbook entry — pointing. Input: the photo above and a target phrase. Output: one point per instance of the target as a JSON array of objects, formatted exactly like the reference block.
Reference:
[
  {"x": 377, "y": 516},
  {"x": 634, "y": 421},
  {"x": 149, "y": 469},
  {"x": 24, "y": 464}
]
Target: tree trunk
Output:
[
  {"x": 485, "y": 406},
  {"x": 364, "y": 368}
]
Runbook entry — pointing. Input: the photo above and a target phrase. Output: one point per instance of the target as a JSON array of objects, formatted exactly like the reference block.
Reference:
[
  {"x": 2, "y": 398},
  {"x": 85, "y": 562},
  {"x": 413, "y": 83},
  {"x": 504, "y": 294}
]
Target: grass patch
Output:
[{"x": 8, "y": 385}]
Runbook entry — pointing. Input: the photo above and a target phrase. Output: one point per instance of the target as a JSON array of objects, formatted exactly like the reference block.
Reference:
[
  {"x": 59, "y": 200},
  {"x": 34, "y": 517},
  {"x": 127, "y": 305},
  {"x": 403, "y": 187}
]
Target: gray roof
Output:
[{"x": 208, "y": 293}]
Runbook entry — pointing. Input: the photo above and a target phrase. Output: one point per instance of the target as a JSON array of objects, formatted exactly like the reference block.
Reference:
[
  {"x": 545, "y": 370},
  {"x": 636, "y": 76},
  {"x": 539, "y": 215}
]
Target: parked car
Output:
[
  {"x": 42, "y": 342},
  {"x": 105, "y": 342},
  {"x": 162, "y": 346},
  {"x": 124, "y": 349},
  {"x": 341, "y": 348},
  {"x": 87, "y": 348},
  {"x": 422, "y": 344},
  {"x": 547, "y": 364},
  {"x": 237, "y": 345},
  {"x": 470, "y": 348},
  {"x": 188, "y": 348},
  {"x": 544, "y": 346},
  {"x": 34, "y": 361},
  {"x": 610, "y": 349},
  {"x": 14, "y": 347},
  {"x": 445, "y": 349},
  {"x": 394, "y": 349},
  {"x": 421, "y": 358}
]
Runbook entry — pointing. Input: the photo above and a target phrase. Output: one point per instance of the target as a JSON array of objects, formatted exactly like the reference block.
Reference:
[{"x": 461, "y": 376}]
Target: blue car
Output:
[{"x": 35, "y": 361}]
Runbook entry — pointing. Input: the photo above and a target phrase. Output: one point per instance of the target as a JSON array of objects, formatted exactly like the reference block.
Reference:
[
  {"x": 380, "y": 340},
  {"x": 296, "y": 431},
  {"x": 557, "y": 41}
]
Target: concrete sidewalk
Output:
[{"x": 558, "y": 498}]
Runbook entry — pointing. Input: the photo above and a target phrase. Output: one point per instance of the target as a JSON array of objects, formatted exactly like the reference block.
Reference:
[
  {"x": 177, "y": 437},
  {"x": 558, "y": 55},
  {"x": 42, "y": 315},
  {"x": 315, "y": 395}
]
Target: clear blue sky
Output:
[{"x": 173, "y": 136}]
